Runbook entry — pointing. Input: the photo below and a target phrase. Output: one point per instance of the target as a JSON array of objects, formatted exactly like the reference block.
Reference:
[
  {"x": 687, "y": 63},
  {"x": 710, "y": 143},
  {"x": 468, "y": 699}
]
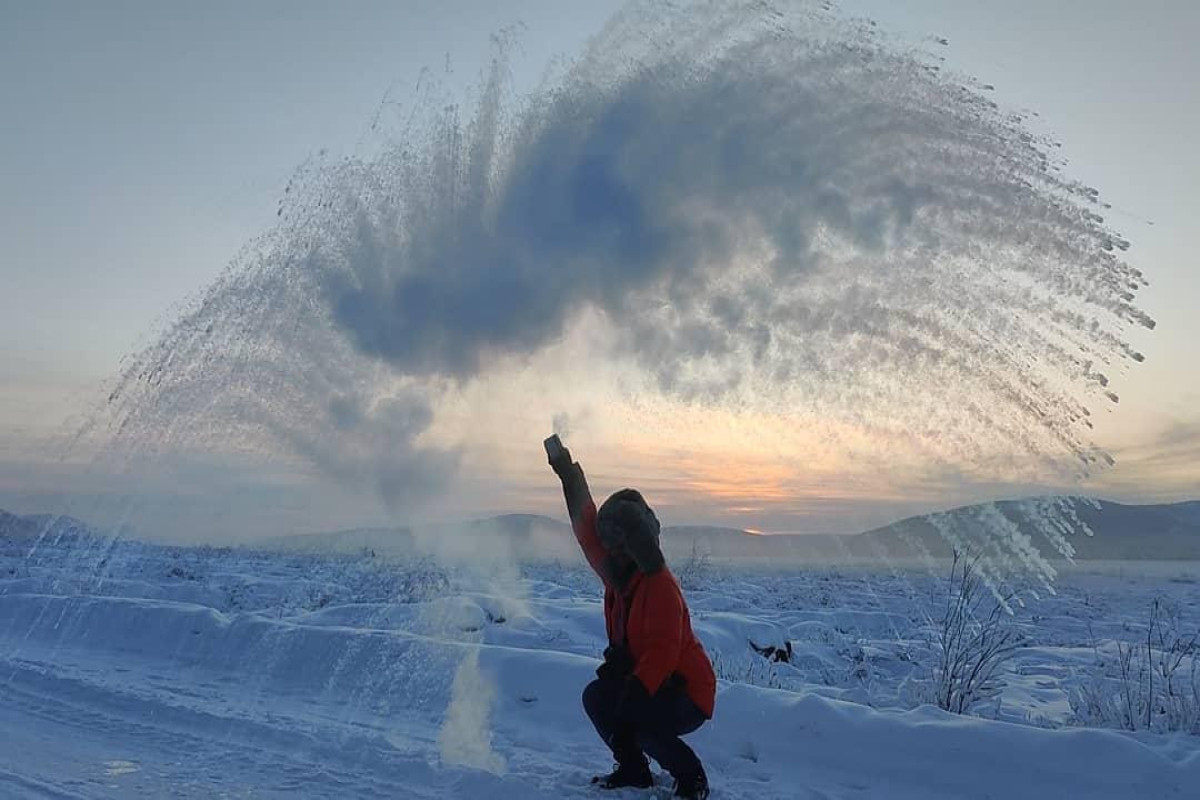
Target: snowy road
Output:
[{"x": 71, "y": 738}]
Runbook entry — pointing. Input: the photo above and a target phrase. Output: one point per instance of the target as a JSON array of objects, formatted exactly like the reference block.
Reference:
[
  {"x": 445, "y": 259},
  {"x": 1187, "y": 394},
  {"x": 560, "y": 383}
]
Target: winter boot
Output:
[
  {"x": 634, "y": 772},
  {"x": 693, "y": 786}
]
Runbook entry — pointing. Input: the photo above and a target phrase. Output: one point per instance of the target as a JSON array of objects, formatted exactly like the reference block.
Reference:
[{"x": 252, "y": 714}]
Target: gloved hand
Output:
[
  {"x": 563, "y": 463},
  {"x": 558, "y": 456},
  {"x": 633, "y": 702},
  {"x": 618, "y": 663}
]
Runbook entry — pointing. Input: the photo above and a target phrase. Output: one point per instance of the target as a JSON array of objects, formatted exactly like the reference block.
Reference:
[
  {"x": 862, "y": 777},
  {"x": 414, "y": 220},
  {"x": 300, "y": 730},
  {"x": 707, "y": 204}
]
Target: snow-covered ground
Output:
[{"x": 132, "y": 670}]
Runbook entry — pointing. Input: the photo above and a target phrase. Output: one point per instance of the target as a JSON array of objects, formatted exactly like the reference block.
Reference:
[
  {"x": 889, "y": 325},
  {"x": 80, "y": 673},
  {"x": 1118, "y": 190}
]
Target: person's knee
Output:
[{"x": 594, "y": 699}]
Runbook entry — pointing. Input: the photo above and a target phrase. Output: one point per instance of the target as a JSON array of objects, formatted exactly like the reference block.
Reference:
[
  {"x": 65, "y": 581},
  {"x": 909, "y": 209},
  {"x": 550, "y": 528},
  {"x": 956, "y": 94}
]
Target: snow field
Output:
[{"x": 171, "y": 672}]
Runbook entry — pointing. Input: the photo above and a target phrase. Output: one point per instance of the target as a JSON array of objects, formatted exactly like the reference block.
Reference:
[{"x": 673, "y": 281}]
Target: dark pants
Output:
[{"x": 651, "y": 727}]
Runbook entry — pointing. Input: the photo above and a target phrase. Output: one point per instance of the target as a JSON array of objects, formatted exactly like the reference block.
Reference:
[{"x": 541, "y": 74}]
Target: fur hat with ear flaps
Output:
[{"x": 626, "y": 522}]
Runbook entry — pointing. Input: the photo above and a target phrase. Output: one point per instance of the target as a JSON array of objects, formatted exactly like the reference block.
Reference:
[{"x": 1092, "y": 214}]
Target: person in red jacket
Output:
[{"x": 656, "y": 683}]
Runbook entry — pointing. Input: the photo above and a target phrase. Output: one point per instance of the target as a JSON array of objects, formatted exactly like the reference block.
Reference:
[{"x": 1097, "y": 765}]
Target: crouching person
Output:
[{"x": 656, "y": 683}]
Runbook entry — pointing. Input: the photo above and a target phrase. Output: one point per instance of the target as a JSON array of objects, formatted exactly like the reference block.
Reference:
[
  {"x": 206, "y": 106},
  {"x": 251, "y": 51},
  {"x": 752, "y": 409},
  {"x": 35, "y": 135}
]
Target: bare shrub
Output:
[
  {"x": 751, "y": 670},
  {"x": 972, "y": 646},
  {"x": 695, "y": 571},
  {"x": 1149, "y": 684}
]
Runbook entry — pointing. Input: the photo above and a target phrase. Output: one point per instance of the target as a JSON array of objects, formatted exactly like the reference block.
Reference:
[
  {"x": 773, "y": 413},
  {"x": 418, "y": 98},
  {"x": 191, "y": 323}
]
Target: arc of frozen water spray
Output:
[{"x": 769, "y": 206}]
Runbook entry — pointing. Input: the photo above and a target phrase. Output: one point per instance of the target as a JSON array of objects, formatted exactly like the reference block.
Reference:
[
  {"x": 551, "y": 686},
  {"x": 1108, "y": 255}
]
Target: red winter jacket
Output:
[{"x": 659, "y": 629}]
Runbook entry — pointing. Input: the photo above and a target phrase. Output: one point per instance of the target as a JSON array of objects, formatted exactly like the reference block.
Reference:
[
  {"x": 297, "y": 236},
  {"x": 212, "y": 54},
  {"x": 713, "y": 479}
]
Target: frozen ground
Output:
[{"x": 130, "y": 670}]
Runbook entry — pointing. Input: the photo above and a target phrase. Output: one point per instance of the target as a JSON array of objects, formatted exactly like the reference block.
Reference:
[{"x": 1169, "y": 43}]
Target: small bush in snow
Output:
[
  {"x": 972, "y": 647},
  {"x": 752, "y": 670},
  {"x": 695, "y": 571},
  {"x": 1148, "y": 684}
]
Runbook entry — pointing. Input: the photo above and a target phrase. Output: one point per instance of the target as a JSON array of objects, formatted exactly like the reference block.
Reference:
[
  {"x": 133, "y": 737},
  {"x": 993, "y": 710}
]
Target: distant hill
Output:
[
  {"x": 16, "y": 526},
  {"x": 1095, "y": 529},
  {"x": 19, "y": 534},
  {"x": 1119, "y": 532},
  {"x": 527, "y": 536},
  {"x": 13, "y": 526}
]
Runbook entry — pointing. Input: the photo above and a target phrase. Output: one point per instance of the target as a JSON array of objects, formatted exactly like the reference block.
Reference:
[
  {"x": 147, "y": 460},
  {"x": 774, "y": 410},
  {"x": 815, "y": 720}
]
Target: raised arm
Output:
[{"x": 580, "y": 506}]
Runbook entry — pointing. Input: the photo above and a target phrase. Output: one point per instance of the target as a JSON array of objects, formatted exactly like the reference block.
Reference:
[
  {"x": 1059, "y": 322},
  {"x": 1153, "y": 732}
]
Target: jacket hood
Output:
[{"x": 626, "y": 521}]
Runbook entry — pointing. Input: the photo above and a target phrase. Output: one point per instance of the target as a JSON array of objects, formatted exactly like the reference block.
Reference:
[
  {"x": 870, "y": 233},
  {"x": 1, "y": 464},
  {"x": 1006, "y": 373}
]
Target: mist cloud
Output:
[{"x": 756, "y": 207}]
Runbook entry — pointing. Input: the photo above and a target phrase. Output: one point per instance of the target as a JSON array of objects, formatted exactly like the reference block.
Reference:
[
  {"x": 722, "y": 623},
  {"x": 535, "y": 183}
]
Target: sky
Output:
[{"x": 146, "y": 143}]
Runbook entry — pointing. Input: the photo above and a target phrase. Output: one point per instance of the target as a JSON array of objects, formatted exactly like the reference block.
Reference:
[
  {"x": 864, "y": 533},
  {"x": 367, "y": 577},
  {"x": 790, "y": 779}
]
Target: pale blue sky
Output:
[{"x": 144, "y": 142}]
